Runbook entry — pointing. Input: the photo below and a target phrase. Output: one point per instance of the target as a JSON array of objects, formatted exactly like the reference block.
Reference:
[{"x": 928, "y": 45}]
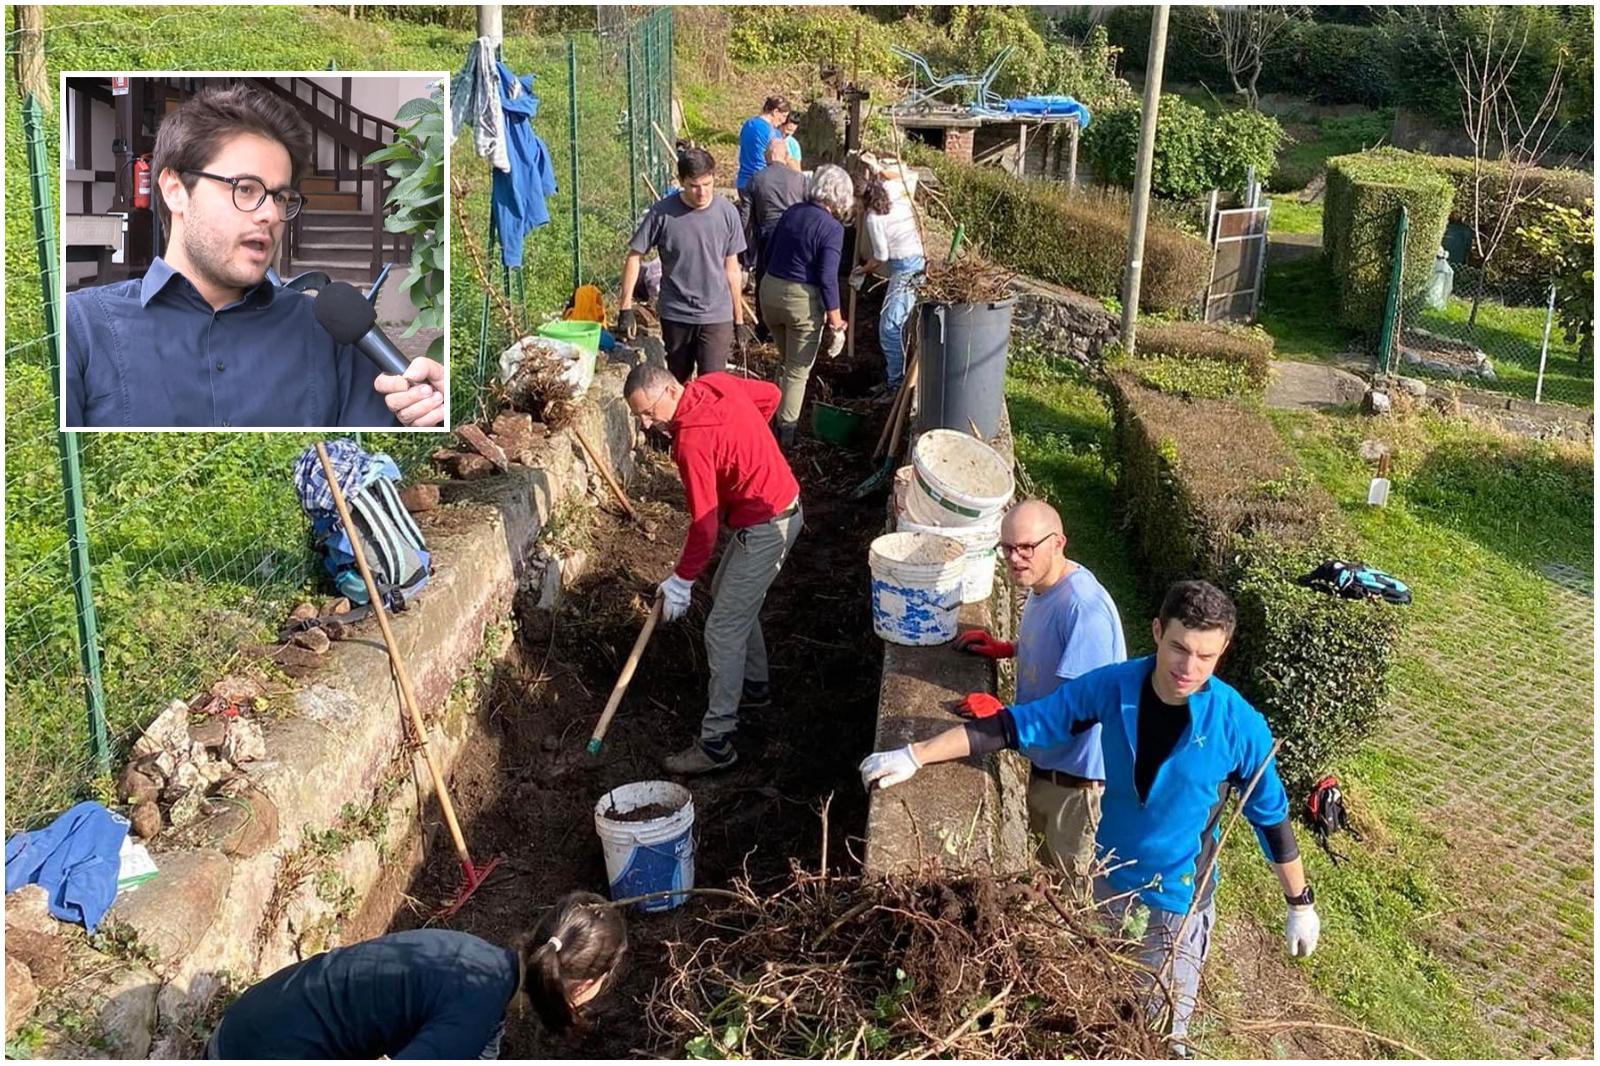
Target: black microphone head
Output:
[{"x": 344, "y": 312}]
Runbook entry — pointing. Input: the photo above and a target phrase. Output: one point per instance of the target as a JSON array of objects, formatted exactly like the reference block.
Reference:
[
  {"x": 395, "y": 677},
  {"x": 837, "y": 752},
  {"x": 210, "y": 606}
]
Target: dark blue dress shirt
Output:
[
  {"x": 153, "y": 353},
  {"x": 805, "y": 247}
]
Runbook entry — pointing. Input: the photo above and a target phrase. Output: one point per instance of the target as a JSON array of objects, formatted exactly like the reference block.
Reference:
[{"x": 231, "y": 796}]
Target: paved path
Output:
[{"x": 1316, "y": 386}]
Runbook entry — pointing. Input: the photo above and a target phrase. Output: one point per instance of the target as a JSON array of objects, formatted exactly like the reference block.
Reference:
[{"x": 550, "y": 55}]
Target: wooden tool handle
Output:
[
  {"x": 407, "y": 696},
  {"x": 626, "y": 676}
]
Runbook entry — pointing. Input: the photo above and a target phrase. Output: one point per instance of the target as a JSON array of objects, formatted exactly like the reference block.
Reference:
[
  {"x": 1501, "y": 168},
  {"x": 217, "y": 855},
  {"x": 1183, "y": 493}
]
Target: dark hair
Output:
[
  {"x": 592, "y": 937},
  {"x": 695, "y": 163},
  {"x": 1198, "y": 605},
  {"x": 646, "y": 376},
  {"x": 875, "y": 194},
  {"x": 775, "y": 103},
  {"x": 192, "y": 135}
]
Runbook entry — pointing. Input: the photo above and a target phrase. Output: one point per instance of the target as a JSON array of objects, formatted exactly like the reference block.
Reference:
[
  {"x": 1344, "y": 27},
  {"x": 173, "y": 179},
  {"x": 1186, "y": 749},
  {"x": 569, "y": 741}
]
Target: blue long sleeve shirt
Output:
[
  {"x": 518, "y": 196},
  {"x": 1157, "y": 845},
  {"x": 806, "y": 246},
  {"x": 152, "y": 353}
]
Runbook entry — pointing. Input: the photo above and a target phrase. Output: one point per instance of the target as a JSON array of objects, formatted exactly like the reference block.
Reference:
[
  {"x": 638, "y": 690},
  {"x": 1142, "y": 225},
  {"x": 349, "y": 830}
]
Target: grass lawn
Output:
[
  {"x": 1413, "y": 944},
  {"x": 1291, "y": 216},
  {"x": 1297, "y": 308},
  {"x": 1305, "y": 156}
]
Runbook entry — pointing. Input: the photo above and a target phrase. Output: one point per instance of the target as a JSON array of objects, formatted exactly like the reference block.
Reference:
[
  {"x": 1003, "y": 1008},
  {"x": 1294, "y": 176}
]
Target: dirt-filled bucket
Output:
[
  {"x": 957, "y": 480},
  {"x": 647, "y": 831},
  {"x": 979, "y": 540},
  {"x": 916, "y": 587}
]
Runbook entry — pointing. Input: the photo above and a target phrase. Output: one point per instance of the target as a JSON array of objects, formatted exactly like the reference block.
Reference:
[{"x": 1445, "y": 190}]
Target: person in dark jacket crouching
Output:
[{"x": 427, "y": 993}]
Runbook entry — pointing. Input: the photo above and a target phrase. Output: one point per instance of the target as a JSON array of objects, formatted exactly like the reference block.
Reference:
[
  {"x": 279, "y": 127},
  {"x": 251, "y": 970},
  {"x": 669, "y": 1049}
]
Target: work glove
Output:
[
  {"x": 627, "y": 324},
  {"x": 979, "y": 705},
  {"x": 886, "y": 768},
  {"x": 674, "y": 597},
  {"x": 1304, "y": 928},
  {"x": 834, "y": 339},
  {"x": 858, "y": 278},
  {"x": 978, "y": 642}
]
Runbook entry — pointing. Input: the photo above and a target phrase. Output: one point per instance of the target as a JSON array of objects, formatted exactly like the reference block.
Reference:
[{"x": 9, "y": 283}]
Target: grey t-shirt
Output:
[
  {"x": 772, "y": 192},
  {"x": 694, "y": 245}
]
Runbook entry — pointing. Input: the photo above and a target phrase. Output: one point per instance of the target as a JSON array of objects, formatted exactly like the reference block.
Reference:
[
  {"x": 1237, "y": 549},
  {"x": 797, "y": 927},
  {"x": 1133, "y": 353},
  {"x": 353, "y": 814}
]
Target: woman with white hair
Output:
[{"x": 800, "y": 291}]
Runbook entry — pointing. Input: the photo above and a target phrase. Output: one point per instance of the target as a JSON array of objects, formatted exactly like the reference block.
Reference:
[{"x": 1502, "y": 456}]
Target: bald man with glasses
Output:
[{"x": 1070, "y": 626}]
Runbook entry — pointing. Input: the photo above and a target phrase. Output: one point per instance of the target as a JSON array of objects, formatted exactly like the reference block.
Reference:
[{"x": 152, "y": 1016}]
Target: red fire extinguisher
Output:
[{"x": 141, "y": 182}]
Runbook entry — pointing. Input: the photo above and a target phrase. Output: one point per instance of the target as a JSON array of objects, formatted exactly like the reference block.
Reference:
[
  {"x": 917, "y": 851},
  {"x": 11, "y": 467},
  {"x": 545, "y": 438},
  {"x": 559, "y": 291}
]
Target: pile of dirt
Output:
[{"x": 965, "y": 967}]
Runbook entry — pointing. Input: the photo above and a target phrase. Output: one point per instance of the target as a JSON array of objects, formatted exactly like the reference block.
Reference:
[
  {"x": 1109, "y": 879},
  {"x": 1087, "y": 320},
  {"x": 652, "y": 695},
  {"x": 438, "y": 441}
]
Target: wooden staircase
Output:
[{"x": 335, "y": 234}]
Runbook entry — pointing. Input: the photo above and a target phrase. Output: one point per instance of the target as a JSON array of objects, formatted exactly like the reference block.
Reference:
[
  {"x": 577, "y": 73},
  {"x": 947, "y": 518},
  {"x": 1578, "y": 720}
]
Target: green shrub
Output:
[
  {"x": 1200, "y": 378},
  {"x": 1211, "y": 491},
  {"x": 1561, "y": 241},
  {"x": 1334, "y": 64},
  {"x": 765, "y": 37},
  {"x": 1077, "y": 238},
  {"x": 1364, "y": 195},
  {"x": 1244, "y": 352},
  {"x": 1194, "y": 152}
]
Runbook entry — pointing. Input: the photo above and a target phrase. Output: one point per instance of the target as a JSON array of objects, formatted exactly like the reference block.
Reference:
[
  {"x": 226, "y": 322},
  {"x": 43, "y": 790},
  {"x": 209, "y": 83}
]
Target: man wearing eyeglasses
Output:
[
  {"x": 1070, "y": 626},
  {"x": 205, "y": 338}
]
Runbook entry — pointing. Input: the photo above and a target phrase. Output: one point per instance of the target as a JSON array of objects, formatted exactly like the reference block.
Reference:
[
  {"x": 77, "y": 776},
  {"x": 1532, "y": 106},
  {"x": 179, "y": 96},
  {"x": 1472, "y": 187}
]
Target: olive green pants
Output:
[{"x": 794, "y": 313}]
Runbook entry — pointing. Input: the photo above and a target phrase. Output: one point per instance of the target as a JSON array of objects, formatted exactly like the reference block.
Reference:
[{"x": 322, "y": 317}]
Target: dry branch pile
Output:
[
  {"x": 968, "y": 280},
  {"x": 967, "y": 967}
]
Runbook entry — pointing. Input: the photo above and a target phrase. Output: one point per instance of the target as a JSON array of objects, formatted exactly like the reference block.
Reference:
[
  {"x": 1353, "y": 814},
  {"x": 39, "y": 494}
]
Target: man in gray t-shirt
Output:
[
  {"x": 772, "y": 192},
  {"x": 699, "y": 237}
]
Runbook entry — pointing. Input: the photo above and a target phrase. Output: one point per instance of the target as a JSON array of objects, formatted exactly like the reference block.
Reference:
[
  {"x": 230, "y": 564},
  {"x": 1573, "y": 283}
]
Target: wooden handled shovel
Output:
[{"x": 623, "y": 678}]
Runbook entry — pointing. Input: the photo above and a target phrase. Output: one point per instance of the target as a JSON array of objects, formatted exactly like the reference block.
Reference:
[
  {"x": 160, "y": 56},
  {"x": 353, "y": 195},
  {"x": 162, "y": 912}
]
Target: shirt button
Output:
[{"x": 221, "y": 365}]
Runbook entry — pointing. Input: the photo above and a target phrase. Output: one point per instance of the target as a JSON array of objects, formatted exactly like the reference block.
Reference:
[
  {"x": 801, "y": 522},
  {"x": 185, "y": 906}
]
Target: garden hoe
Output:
[
  {"x": 624, "y": 678},
  {"x": 475, "y": 875}
]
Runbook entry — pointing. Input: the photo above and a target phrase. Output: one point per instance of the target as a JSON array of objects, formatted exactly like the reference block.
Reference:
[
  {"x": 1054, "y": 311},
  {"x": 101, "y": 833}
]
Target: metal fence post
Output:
[
  {"x": 1391, "y": 307},
  {"x": 67, "y": 443},
  {"x": 572, "y": 125},
  {"x": 633, "y": 135},
  {"x": 1544, "y": 346}
]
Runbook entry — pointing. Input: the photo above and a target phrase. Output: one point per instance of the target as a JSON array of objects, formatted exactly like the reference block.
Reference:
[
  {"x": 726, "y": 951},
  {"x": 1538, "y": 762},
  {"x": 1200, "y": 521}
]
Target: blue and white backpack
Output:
[{"x": 395, "y": 550}]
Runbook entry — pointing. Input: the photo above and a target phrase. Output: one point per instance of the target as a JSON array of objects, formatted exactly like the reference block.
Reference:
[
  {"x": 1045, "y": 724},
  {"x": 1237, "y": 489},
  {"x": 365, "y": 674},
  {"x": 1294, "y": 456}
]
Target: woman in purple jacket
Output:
[{"x": 800, "y": 291}]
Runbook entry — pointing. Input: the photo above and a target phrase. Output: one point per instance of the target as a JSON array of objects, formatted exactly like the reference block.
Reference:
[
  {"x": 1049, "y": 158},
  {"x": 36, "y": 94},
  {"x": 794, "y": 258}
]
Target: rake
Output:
[{"x": 474, "y": 875}]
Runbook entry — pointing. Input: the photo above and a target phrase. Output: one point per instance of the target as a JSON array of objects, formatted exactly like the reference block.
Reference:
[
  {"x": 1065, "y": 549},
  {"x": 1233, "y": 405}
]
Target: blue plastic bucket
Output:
[{"x": 653, "y": 855}]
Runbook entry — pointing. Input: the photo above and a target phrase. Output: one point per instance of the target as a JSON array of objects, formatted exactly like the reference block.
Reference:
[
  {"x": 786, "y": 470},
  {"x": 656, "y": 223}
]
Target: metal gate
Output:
[{"x": 1238, "y": 262}]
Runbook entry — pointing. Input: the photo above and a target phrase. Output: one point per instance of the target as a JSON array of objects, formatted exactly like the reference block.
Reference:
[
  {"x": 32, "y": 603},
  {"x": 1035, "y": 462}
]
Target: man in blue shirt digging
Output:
[
  {"x": 205, "y": 339},
  {"x": 1069, "y": 626},
  {"x": 1174, "y": 740}
]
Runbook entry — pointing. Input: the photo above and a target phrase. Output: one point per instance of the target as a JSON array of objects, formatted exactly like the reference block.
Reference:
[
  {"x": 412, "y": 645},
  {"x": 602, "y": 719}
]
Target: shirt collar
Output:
[{"x": 161, "y": 274}]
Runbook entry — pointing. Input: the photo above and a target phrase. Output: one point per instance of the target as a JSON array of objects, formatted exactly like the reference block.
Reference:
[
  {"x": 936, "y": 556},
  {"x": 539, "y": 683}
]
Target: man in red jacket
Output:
[{"x": 733, "y": 473}]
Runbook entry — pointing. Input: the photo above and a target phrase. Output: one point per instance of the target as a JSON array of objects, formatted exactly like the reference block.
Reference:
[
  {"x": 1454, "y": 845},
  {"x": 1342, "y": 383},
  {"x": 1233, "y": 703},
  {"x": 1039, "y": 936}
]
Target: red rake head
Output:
[{"x": 475, "y": 876}]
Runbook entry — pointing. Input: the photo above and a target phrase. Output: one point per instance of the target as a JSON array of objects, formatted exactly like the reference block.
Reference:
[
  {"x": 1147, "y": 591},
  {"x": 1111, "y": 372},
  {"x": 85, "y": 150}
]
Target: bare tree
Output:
[
  {"x": 1245, "y": 36},
  {"x": 1508, "y": 140}
]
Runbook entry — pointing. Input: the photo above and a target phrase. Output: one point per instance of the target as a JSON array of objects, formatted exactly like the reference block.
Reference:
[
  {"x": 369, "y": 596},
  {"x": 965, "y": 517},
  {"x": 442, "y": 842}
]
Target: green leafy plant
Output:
[
  {"x": 1562, "y": 238},
  {"x": 416, "y": 161},
  {"x": 1194, "y": 152}
]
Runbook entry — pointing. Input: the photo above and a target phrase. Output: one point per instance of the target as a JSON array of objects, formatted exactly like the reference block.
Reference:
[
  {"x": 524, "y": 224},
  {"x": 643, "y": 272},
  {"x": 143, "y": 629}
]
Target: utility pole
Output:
[
  {"x": 489, "y": 23},
  {"x": 1141, "y": 175}
]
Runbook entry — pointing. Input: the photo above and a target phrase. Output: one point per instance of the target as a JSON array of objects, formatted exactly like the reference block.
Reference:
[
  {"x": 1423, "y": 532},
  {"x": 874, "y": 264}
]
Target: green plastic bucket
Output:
[
  {"x": 836, "y": 425},
  {"x": 585, "y": 335}
]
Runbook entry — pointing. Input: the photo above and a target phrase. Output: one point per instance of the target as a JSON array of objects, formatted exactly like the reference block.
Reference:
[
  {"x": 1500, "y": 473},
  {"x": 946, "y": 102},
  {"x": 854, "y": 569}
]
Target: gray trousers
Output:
[
  {"x": 736, "y": 651},
  {"x": 1183, "y": 980}
]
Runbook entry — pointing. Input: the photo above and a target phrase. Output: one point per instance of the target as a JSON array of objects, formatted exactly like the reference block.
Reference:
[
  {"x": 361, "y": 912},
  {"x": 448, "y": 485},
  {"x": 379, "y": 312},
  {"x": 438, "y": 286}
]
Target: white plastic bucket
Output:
[
  {"x": 957, "y": 480},
  {"x": 902, "y": 490},
  {"x": 655, "y": 855},
  {"x": 916, "y": 587},
  {"x": 977, "y": 580}
]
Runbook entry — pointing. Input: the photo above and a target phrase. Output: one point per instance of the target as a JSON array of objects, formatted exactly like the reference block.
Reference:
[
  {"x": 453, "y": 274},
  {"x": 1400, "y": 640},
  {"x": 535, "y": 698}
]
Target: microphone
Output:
[{"x": 345, "y": 313}]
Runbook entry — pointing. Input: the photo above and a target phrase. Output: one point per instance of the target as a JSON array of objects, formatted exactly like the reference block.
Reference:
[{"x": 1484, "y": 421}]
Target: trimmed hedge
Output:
[
  {"x": 1362, "y": 205},
  {"x": 1211, "y": 491},
  {"x": 1247, "y": 347},
  {"x": 1337, "y": 64},
  {"x": 1076, "y": 238}
]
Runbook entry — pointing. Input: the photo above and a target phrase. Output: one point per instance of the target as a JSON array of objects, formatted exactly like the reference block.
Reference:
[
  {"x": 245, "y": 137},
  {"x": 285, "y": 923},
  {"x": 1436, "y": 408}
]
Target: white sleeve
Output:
[{"x": 876, "y": 235}]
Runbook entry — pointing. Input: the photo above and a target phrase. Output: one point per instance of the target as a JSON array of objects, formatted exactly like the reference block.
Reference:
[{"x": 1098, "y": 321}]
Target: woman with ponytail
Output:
[{"x": 427, "y": 993}]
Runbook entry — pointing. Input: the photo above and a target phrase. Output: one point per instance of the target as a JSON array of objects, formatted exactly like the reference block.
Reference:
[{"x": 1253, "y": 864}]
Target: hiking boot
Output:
[
  {"x": 756, "y": 696},
  {"x": 696, "y": 759},
  {"x": 785, "y": 433}
]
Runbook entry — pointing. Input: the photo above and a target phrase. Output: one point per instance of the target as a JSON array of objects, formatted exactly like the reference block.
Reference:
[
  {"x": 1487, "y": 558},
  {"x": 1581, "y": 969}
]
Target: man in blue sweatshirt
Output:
[
  {"x": 754, "y": 136},
  {"x": 1174, "y": 741}
]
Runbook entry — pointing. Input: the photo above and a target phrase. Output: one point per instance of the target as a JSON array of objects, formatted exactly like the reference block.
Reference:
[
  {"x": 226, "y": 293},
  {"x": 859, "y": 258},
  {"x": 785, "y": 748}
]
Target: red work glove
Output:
[
  {"x": 979, "y": 705},
  {"x": 977, "y": 642}
]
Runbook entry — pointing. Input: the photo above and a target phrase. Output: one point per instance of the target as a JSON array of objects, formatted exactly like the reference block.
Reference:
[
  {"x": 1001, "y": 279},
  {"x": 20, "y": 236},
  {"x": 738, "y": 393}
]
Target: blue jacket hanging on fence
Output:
[
  {"x": 505, "y": 132},
  {"x": 75, "y": 859}
]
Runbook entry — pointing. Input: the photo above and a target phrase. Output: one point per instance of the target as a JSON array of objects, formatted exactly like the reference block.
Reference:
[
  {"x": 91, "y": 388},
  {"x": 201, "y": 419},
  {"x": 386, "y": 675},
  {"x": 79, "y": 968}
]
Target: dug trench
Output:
[{"x": 525, "y": 789}]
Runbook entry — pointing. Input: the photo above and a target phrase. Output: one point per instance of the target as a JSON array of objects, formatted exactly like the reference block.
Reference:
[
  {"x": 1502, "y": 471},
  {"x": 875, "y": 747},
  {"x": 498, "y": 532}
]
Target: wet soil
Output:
[{"x": 525, "y": 790}]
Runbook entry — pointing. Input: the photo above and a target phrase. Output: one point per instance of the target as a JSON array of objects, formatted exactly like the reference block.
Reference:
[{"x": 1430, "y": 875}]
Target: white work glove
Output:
[
  {"x": 858, "y": 277},
  {"x": 889, "y": 767},
  {"x": 835, "y": 339},
  {"x": 1304, "y": 928},
  {"x": 674, "y": 597}
]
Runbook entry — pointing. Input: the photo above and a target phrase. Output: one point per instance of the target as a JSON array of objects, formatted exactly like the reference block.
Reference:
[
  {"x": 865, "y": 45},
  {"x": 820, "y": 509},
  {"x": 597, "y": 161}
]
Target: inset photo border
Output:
[{"x": 249, "y": 251}]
